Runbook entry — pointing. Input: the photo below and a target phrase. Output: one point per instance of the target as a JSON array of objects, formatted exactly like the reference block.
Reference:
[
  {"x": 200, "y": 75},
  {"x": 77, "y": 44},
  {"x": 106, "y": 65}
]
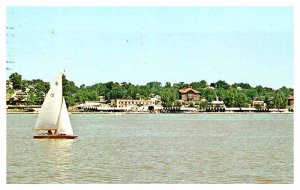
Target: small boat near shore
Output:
[{"x": 53, "y": 116}]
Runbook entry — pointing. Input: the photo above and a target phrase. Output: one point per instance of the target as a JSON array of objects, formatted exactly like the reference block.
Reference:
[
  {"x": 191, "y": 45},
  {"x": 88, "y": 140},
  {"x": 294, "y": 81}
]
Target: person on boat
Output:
[{"x": 49, "y": 132}]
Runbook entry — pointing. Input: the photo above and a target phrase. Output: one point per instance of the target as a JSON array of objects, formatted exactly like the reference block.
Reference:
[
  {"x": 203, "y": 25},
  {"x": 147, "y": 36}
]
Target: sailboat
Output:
[{"x": 53, "y": 116}]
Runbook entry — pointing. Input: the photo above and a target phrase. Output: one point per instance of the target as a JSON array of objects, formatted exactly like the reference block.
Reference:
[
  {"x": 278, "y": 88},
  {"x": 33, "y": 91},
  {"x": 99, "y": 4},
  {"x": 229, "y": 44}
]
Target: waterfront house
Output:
[
  {"x": 123, "y": 103},
  {"x": 189, "y": 94},
  {"x": 291, "y": 102},
  {"x": 258, "y": 104},
  {"x": 19, "y": 97},
  {"x": 102, "y": 99}
]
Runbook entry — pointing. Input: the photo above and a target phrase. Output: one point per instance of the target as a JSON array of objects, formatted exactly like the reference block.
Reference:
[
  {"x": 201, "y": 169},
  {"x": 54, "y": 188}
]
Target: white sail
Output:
[
  {"x": 51, "y": 108},
  {"x": 64, "y": 124}
]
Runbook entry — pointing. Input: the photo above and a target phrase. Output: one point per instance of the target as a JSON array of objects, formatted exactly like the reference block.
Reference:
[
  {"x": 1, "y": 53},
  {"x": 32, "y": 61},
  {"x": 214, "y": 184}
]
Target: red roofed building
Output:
[
  {"x": 291, "y": 101},
  {"x": 189, "y": 94}
]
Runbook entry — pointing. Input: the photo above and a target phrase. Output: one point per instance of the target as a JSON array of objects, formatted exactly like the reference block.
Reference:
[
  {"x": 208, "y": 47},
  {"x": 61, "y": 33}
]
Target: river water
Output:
[{"x": 154, "y": 148}]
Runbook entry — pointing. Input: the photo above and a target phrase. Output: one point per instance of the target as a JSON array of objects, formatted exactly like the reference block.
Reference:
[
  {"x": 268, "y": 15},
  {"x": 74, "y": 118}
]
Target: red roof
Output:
[{"x": 186, "y": 90}]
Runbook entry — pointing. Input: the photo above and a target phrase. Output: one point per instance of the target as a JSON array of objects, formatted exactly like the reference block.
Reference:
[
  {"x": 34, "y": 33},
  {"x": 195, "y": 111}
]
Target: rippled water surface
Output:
[{"x": 155, "y": 148}]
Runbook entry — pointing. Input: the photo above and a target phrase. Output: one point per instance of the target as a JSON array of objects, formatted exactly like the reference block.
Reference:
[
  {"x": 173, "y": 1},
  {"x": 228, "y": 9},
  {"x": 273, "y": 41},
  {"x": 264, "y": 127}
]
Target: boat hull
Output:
[{"x": 55, "y": 136}]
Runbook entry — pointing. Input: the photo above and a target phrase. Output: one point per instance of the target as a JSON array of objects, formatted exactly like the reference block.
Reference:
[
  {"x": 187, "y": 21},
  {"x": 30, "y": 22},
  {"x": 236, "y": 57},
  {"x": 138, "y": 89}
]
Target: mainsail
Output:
[{"x": 48, "y": 118}]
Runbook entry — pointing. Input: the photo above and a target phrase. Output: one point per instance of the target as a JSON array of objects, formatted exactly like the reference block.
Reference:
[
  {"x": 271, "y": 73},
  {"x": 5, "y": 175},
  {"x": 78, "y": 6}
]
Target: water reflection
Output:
[{"x": 54, "y": 159}]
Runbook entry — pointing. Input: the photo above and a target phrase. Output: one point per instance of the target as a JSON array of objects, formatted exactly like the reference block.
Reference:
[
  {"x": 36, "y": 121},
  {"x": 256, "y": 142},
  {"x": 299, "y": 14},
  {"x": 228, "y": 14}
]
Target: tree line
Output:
[{"x": 233, "y": 95}]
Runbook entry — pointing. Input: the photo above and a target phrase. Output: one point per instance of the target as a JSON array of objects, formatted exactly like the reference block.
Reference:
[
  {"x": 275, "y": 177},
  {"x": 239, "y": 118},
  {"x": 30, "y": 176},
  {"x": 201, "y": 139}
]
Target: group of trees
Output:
[{"x": 235, "y": 95}]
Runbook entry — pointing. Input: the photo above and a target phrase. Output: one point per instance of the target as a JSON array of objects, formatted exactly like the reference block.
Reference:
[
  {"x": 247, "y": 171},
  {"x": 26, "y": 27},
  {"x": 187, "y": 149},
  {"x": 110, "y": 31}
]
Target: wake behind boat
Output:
[{"x": 53, "y": 116}]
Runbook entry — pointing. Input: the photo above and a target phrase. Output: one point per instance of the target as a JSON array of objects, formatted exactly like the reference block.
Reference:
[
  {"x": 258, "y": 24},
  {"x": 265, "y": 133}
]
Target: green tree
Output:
[
  {"x": 154, "y": 88},
  {"x": 180, "y": 85},
  {"x": 70, "y": 100},
  {"x": 251, "y": 93},
  {"x": 39, "y": 88},
  {"x": 222, "y": 84},
  {"x": 100, "y": 88},
  {"x": 204, "y": 104},
  {"x": 242, "y": 99},
  {"x": 242, "y": 85},
  {"x": 291, "y": 91},
  {"x": 69, "y": 88},
  {"x": 31, "y": 98},
  {"x": 220, "y": 92},
  {"x": 16, "y": 80},
  {"x": 259, "y": 89},
  {"x": 209, "y": 94},
  {"x": 92, "y": 95},
  {"x": 80, "y": 96},
  {"x": 168, "y": 96},
  {"x": 196, "y": 86},
  {"x": 280, "y": 100},
  {"x": 168, "y": 85},
  {"x": 203, "y": 83},
  {"x": 169, "y": 93},
  {"x": 235, "y": 98},
  {"x": 82, "y": 86},
  {"x": 286, "y": 92}
]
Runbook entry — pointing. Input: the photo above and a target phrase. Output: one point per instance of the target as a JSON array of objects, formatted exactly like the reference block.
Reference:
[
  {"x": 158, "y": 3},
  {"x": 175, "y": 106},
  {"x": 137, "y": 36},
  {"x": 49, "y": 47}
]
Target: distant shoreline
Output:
[{"x": 123, "y": 113}]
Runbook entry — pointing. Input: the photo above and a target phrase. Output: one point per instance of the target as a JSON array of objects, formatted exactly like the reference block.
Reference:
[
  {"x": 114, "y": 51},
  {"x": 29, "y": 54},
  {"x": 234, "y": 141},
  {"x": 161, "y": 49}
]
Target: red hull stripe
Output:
[{"x": 55, "y": 136}]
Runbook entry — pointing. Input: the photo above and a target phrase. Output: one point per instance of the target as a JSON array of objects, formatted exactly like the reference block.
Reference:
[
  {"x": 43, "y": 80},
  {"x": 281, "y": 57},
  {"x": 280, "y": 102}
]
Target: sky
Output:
[{"x": 142, "y": 44}]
